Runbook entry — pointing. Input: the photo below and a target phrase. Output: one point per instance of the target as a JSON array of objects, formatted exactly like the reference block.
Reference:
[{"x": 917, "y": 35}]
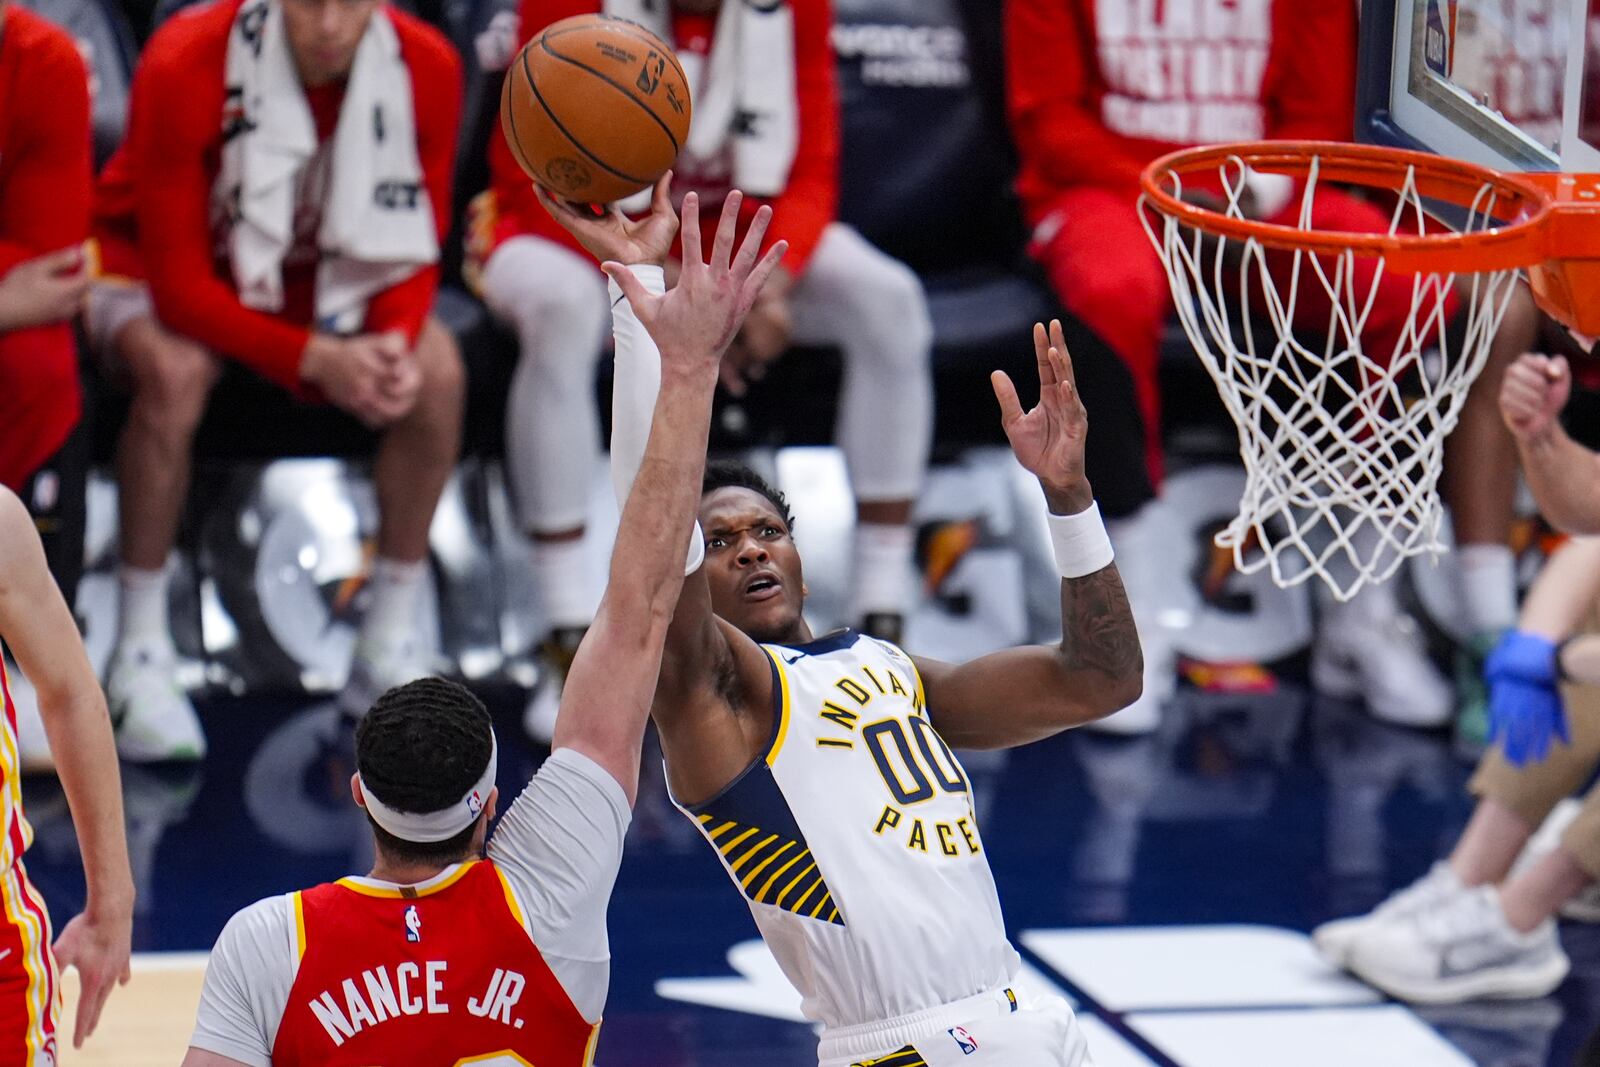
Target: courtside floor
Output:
[{"x": 1164, "y": 883}]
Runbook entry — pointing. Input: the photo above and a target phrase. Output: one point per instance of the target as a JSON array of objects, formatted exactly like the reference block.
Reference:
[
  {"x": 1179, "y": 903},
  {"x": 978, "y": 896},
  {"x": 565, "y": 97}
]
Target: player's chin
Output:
[{"x": 774, "y": 621}]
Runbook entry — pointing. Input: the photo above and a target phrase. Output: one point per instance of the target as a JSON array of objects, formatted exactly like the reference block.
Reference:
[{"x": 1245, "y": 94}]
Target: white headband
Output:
[{"x": 428, "y": 827}]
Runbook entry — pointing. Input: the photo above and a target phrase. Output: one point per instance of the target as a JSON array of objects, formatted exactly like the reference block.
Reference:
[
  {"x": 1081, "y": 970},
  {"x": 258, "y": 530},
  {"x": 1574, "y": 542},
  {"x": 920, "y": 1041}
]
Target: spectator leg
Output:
[
  {"x": 556, "y": 302},
  {"x": 874, "y": 309}
]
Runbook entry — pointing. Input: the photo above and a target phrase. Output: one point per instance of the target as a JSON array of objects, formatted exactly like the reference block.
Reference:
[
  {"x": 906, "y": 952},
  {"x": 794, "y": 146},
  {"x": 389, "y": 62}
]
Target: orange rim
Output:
[{"x": 1517, "y": 240}]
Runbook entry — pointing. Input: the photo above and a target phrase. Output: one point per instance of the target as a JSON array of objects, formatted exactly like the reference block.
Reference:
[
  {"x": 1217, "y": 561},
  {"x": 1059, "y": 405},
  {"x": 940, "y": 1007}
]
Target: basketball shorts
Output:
[
  {"x": 1005, "y": 1028},
  {"x": 30, "y": 997}
]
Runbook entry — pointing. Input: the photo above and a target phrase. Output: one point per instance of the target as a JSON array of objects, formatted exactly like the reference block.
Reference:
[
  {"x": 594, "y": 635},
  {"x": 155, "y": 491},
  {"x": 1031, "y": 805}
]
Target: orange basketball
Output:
[{"x": 595, "y": 108}]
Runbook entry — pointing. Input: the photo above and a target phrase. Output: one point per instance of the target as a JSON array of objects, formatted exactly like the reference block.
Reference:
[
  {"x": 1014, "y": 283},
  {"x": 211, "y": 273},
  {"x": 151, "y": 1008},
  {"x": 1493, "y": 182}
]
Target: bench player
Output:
[
  {"x": 820, "y": 769},
  {"x": 437, "y": 957}
]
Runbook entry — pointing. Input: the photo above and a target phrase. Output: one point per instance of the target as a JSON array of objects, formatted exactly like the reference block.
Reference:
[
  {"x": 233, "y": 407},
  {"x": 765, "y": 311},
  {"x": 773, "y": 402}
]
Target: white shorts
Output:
[
  {"x": 1004, "y": 1028},
  {"x": 111, "y": 306}
]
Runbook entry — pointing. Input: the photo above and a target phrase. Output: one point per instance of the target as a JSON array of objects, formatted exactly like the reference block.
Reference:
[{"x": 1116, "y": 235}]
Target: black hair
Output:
[
  {"x": 419, "y": 748},
  {"x": 730, "y": 474}
]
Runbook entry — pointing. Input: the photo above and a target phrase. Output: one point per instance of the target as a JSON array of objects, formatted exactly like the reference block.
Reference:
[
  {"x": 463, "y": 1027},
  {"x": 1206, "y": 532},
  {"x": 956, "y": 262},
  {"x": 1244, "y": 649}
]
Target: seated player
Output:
[
  {"x": 436, "y": 957},
  {"x": 39, "y": 630},
  {"x": 45, "y": 182},
  {"x": 1098, "y": 90},
  {"x": 820, "y": 769},
  {"x": 279, "y": 202},
  {"x": 834, "y": 288}
]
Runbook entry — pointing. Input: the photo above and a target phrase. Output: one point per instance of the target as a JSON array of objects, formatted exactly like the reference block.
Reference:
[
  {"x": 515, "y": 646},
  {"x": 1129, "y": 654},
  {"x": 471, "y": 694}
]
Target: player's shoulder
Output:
[
  {"x": 263, "y": 930},
  {"x": 194, "y": 37},
  {"x": 46, "y": 46},
  {"x": 425, "y": 48}
]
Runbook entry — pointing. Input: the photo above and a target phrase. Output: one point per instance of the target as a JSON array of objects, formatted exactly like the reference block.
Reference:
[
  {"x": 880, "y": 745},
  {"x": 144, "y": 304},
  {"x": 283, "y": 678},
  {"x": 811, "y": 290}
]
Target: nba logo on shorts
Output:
[
  {"x": 475, "y": 804},
  {"x": 413, "y": 924},
  {"x": 968, "y": 1043}
]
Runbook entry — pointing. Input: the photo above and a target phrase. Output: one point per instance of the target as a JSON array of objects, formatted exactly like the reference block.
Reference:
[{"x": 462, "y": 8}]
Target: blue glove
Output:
[{"x": 1525, "y": 708}]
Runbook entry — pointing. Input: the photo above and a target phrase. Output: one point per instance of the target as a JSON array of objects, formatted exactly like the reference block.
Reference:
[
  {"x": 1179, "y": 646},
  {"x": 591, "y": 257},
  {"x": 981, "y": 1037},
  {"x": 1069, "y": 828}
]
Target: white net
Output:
[{"x": 1342, "y": 407}]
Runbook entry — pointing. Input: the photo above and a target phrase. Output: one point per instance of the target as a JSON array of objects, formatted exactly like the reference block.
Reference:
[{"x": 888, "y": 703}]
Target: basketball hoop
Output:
[{"x": 1342, "y": 447}]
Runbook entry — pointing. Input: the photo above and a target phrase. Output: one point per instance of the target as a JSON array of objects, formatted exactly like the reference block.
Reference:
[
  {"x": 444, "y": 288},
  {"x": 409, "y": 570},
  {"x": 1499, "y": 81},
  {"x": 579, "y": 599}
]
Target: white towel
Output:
[
  {"x": 377, "y": 223},
  {"x": 745, "y": 97}
]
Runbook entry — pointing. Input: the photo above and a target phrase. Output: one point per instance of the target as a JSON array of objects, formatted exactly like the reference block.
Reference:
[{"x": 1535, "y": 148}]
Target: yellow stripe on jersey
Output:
[
  {"x": 47, "y": 938},
  {"x": 778, "y": 900},
  {"x": 733, "y": 843},
  {"x": 505, "y": 1057},
  {"x": 783, "y": 706},
  {"x": 751, "y": 853},
  {"x": 719, "y": 831},
  {"x": 511, "y": 900},
  {"x": 755, "y": 872},
  {"x": 761, "y": 894},
  {"x": 594, "y": 1041},
  {"x": 11, "y": 789},
  {"x": 34, "y": 961},
  {"x": 906, "y": 1057},
  {"x": 299, "y": 926},
  {"x": 407, "y": 892}
]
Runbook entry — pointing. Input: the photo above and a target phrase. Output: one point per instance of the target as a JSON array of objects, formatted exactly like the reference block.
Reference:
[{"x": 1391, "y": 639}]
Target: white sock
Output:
[
  {"x": 142, "y": 609},
  {"x": 883, "y": 569},
  {"x": 561, "y": 572},
  {"x": 396, "y": 593},
  {"x": 1488, "y": 586}
]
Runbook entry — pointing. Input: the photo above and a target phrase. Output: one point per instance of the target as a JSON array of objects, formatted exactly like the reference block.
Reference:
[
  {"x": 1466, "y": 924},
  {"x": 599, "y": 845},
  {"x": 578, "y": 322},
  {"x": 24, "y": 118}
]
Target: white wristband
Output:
[{"x": 1080, "y": 541}]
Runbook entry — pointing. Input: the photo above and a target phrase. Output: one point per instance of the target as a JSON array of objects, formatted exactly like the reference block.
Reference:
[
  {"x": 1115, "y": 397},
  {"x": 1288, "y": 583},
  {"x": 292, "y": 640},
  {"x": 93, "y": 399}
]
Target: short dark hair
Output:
[
  {"x": 731, "y": 474},
  {"x": 419, "y": 748}
]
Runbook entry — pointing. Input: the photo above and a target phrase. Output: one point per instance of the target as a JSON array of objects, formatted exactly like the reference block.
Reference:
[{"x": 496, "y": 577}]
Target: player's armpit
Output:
[{"x": 1020, "y": 695}]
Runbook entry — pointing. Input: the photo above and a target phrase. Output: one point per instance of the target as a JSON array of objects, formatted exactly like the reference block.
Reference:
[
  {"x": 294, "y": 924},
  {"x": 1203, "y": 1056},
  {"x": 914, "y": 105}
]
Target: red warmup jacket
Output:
[
  {"x": 153, "y": 213},
  {"x": 807, "y": 204},
  {"x": 1099, "y": 88},
  {"x": 46, "y": 172}
]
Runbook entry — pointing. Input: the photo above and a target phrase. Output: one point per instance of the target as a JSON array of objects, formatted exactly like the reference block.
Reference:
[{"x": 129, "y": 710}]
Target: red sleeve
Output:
[
  {"x": 174, "y": 124},
  {"x": 436, "y": 96},
  {"x": 810, "y": 200},
  {"x": 1309, "y": 87},
  {"x": 45, "y": 205},
  {"x": 1051, "y": 90}
]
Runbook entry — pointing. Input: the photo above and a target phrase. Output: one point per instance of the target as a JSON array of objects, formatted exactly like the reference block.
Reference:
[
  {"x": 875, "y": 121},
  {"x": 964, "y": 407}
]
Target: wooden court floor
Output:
[{"x": 146, "y": 1022}]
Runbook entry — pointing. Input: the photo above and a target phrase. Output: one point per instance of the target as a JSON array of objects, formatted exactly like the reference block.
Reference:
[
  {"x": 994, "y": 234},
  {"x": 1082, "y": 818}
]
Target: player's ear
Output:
[
  {"x": 355, "y": 791},
  {"x": 489, "y": 808}
]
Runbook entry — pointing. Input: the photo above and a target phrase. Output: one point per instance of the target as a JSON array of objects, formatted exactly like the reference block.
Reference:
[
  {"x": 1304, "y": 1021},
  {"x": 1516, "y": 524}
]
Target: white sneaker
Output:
[
  {"x": 1583, "y": 908},
  {"x": 152, "y": 715},
  {"x": 380, "y": 664},
  {"x": 1384, "y": 663},
  {"x": 1462, "y": 949},
  {"x": 1333, "y": 939}
]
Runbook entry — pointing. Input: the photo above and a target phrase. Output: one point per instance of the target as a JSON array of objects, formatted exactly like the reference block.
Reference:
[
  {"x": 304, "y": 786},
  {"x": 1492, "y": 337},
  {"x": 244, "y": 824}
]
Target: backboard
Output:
[{"x": 1508, "y": 84}]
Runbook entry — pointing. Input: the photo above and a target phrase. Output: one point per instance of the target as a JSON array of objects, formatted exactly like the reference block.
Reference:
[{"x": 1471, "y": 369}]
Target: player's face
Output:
[
  {"x": 324, "y": 34},
  {"x": 752, "y": 565}
]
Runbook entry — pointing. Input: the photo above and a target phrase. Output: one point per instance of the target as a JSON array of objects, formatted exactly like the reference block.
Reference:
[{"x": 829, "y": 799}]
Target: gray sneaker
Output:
[
  {"x": 1333, "y": 939},
  {"x": 1462, "y": 949}
]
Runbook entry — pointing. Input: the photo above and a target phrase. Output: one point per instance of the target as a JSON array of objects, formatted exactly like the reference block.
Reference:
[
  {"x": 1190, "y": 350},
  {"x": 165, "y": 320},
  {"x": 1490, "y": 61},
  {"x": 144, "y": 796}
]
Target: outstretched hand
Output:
[
  {"x": 99, "y": 948},
  {"x": 614, "y": 236},
  {"x": 1049, "y": 439},
  {"x": 697, "y": 319}
]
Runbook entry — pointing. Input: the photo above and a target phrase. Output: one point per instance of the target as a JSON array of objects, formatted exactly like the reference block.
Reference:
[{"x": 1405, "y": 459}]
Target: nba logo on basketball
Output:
[
  {"x": 968, "y": 1043},
  {"x": 475, "y": 804},
  {"x": 413, "y": 924}
]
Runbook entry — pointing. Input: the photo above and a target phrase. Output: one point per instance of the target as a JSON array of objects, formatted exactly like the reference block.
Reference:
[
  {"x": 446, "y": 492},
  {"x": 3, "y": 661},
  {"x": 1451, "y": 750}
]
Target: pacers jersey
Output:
[
  {"x": 15, "y": 833},
  {"x": 439, "y": 976},
  {"x": 855, "y": 844}
]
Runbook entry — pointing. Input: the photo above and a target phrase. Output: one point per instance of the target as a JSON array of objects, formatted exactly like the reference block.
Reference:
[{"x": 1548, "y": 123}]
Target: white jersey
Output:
[{"x": 855, "y": 842}]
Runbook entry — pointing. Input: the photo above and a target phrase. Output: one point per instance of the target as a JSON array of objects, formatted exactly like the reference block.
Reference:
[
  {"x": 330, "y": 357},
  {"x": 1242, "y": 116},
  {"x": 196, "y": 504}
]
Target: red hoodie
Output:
[
  {"x": 45, "y": 177},
  {"x": 1098, "y": 88},
  {"x": 153, "y": 204}
]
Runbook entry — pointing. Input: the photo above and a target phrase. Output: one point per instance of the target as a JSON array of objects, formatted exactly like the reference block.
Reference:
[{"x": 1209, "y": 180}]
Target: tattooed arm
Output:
[{"x": 1023, "y": 694}]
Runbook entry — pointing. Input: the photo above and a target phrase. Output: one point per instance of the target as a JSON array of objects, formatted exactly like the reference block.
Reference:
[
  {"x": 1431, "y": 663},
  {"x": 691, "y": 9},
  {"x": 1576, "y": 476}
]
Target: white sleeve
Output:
[
  {"x": 560, "y": 846},
  {"x": 247, "y": 983},
  {"x": 634, "y": 387}
]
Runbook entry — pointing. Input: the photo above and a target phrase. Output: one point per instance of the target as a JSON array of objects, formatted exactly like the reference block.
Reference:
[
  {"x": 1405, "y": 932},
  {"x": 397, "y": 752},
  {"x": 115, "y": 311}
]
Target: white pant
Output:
[
  {"x": 851, "y": 295},
  {"x": 1005, "y": 1028}
]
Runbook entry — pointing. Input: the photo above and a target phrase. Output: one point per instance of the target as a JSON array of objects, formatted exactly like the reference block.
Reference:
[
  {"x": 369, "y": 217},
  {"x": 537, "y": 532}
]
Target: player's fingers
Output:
[
  {"x": 750, "y": 247},
  {"x": 635, "y": 293},
  {"x": 727, "y": 229},
  {"x": 1058, "y": 344},
  {"x": 661, "y": 199},
  {"x": 1558, "y": 369},
  {"x": 758, "y": 277},
  {"x": 62, "y": 260},
  {"x": 559, "y": 210},
  {"x": 1006, "y": 394},
  {"x": 691, "y": 232},
  {"x": 1066, "y": 389}
]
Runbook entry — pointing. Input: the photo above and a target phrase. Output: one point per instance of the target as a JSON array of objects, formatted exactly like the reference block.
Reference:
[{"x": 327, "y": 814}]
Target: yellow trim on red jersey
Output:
[
  {"x": 11, "y": 791},
  {"x": 594, "y": 1040},
  {"x": 407, "y": 892},
  {"x": 299, "y": 925},
  {"x": 511, "y": 900},
  {"x": 35, "y": 945},
  {"x": 498, "y": 1057}
]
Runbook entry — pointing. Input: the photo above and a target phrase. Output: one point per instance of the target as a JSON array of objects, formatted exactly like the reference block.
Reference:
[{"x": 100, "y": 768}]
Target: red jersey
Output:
[
  {"x": 1098, "y": 88},
  {"x": 153, "y": 204},
  {"x": 437, "y": 976},
  {"x": 15, "y": 833},
  {"x": 809, "y": 200},
  {"x": 46, "y": 172}
]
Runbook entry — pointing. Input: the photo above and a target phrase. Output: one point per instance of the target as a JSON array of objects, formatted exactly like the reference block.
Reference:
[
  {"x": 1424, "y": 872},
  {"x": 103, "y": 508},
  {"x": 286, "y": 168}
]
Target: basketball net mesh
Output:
[{"x": 1342, "y": 448}]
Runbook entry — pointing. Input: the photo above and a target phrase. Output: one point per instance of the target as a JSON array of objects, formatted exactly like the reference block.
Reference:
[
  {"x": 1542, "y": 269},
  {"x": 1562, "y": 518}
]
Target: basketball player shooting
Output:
[
  {"x": 435, "y": 957},
  {"x": 820, "y": 769}
]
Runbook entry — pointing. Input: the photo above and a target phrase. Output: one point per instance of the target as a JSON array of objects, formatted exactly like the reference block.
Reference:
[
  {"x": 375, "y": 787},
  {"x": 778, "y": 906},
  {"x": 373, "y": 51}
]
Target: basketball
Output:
[{"x": 595, "y": 108}]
